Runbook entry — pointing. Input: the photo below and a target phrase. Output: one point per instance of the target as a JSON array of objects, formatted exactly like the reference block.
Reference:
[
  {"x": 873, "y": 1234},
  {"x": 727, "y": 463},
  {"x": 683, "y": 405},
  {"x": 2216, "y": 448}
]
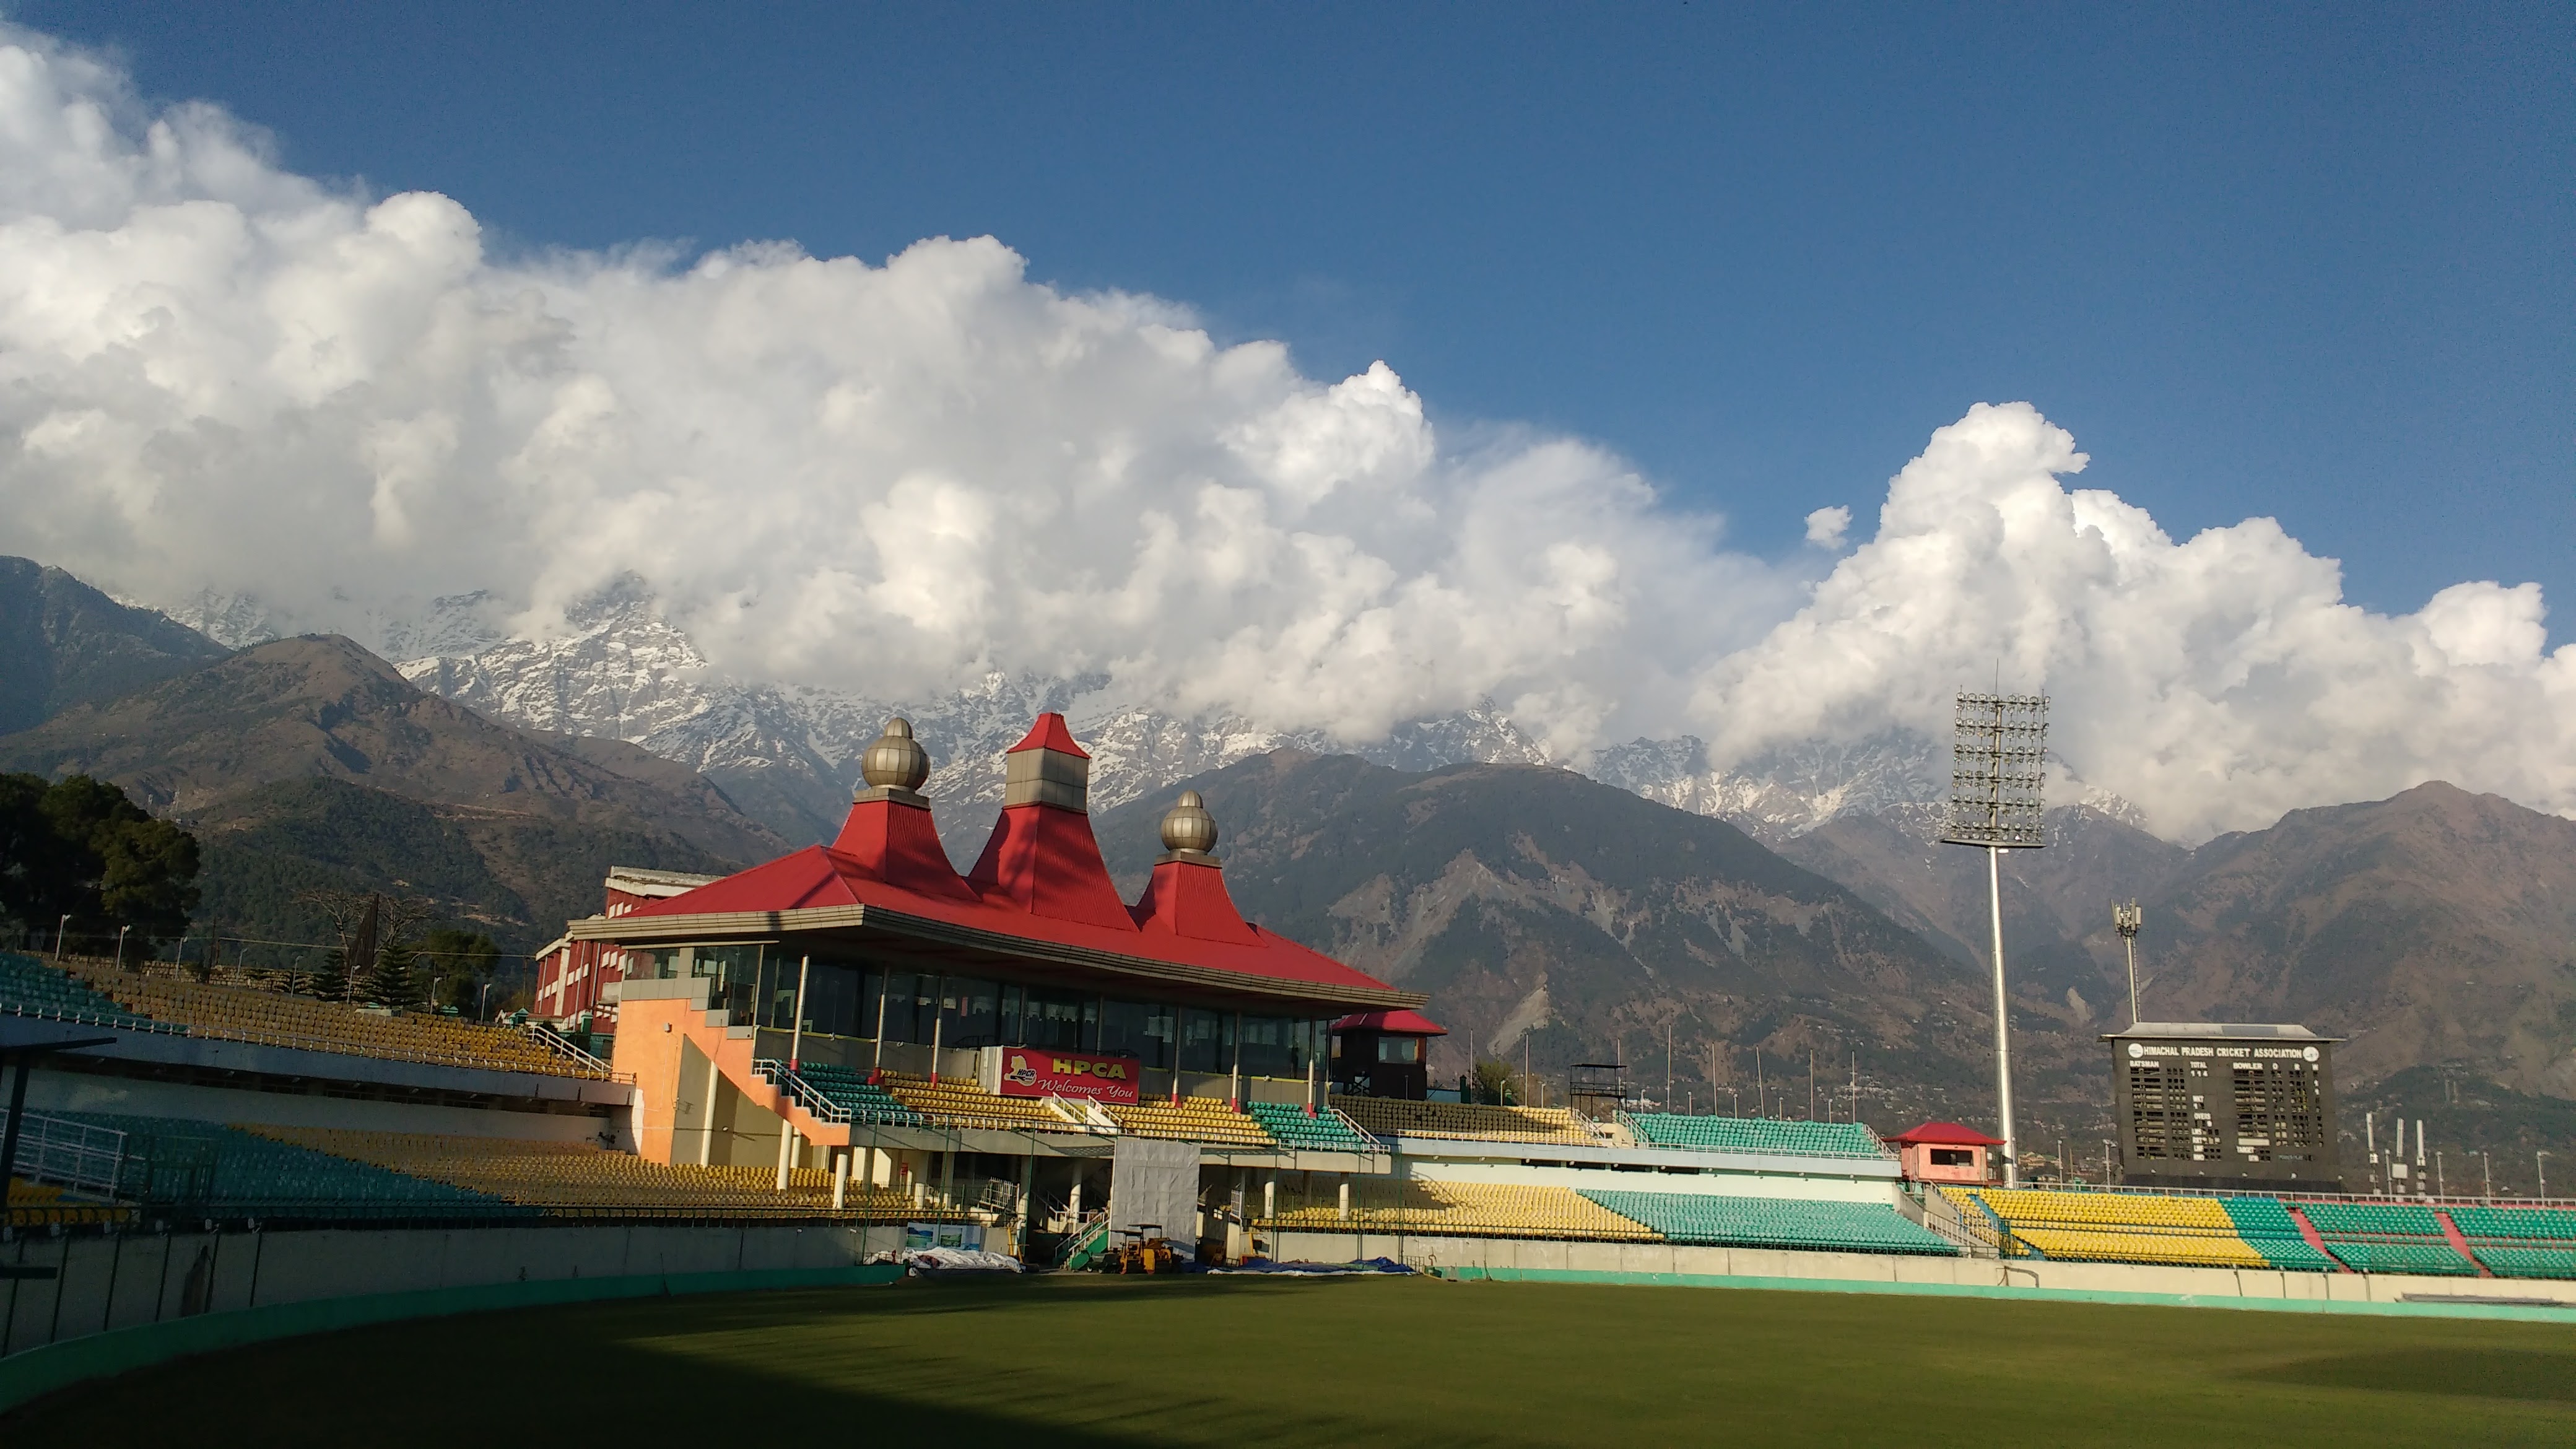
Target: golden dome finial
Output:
[
  {"x": 896, "y": 761},
  {"x": 1189, "y": 830}
]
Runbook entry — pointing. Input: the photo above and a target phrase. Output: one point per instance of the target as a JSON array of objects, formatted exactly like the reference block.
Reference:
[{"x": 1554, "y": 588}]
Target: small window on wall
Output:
[
  {"x": 1953, "y": 1157},
  {"x": 1401, "y": 1049}
]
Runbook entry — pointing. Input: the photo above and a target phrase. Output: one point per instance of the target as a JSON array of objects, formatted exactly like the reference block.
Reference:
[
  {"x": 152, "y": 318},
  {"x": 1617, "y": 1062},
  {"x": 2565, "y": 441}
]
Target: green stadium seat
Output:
[
  {"x": 1762, "y": 1222},
  {"x": 256, "y": 1176},
  {"x": 29, "y": 987},
  {"x": 2267, "y": 1228},
  {"x": 1323, "y": 1132},
  {"x": 2528, "y": 1262},
  {"x": 850, "y": 1089},
  {"x": 1757, "y": 1134},
  {"x": 2516, "y": 1225},
  {"x": 2381, "y": 1256}
]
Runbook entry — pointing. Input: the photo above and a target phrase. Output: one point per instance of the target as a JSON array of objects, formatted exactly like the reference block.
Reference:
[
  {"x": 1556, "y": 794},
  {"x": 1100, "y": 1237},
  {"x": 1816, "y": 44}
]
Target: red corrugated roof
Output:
[
  {"x": 1404, "y": 1021},
  {"x": 1041, "y": 879},
  {"x": 1945, "y": 1134}
]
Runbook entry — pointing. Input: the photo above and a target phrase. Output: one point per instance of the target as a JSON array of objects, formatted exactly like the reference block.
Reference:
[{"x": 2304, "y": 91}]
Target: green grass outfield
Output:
[{"x": 1070, "y": 1362}]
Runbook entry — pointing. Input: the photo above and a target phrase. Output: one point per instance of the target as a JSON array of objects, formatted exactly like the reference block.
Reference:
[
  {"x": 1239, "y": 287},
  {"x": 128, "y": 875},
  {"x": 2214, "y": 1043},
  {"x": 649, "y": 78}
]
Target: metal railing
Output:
[
  {"x": 565, "y": 1049},
  {"x": 824, "y": 1108},
  {"x": 69, "y": 1154},
  {"x": 118, "y": 1020}
]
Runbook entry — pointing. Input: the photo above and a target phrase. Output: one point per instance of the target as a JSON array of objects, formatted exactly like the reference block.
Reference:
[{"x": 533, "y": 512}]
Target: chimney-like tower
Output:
[
  {"x": 1041, "y": 857},
  {"x": 1048, "y": 768}
]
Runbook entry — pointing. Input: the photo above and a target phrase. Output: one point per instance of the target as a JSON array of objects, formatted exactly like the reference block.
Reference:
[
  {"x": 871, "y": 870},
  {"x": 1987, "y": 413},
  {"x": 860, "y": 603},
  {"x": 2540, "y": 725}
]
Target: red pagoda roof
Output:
[
  {"x": 1050, "y": 733},
  {"x": 1944, "y": 1134},
  {"x": 1404, "y": 1022},
  {"x": 1040, "y": 889}
]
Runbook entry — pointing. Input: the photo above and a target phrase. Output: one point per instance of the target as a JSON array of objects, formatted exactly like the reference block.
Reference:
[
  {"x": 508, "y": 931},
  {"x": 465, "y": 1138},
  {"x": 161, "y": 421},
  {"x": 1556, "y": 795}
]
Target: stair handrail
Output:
[
  {"x": 53, "y": 1149},
  {"x": 564, "y": 1048},
  {"x": 1375, "y": 1147}
]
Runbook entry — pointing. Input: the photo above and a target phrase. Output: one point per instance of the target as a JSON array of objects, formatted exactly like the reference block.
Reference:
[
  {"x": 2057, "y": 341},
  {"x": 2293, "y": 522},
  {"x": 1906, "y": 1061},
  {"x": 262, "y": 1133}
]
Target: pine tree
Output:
[{"x": 395, "y": 979}]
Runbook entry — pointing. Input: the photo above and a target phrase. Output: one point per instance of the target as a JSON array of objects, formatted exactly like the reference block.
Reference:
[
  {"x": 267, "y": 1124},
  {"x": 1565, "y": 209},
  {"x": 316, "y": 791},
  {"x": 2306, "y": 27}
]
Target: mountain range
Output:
[
  {"x": 788, "y": 756},
  {"x": 309, "y": 762},
  {"x": 1798, "y": 906}
]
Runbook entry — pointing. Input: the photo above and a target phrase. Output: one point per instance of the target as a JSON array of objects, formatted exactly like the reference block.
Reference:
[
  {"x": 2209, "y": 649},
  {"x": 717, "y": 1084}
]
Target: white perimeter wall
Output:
[
  {"x": 1597, "y": 1179},
  {"x": 2205, "y": 1283}
]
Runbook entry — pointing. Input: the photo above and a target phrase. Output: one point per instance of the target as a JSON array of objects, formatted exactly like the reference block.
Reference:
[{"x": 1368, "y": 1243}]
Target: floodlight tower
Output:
[
  {"x": 2126, "y": 920},
  {"x": 1998, "y": 746}
]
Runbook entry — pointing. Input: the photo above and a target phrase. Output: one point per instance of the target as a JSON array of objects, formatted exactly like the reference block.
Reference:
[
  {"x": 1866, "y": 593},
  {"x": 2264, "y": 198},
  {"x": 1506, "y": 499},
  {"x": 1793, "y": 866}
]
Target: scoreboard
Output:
[{"x": 2216, "y": 1105}]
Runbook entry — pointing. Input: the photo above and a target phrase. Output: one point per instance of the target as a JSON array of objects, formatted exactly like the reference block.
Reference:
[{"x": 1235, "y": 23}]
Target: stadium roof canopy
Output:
[
  {"x": 1944, "y": 1134},
  {"x": 1039, "y": 900},
  {"x": 2216, "y": 1031},
  {"x": 1401, "y": 1022}
]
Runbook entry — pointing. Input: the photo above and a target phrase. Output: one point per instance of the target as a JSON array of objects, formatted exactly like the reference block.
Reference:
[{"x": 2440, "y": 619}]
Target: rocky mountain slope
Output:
[
  {"x": 2434, "y": 929},
  {"x": 64, "y": 643},
  {"x": 310, "y": 761},
  {"x": 1540, "y": 907},
  {"x": 2437, "y": 928}
]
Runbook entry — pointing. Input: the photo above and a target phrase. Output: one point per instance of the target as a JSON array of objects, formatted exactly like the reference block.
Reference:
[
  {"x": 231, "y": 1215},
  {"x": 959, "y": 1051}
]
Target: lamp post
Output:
[
  {"x": 2126, "y": 920},
  {"x": 120, "y": 946},
  {"x": 60, "y": 927},
  {"x": 2540, "y": 1164}
]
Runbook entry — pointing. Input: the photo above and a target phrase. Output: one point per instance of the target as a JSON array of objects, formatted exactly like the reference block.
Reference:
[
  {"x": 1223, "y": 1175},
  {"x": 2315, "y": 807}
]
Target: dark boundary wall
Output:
[
  {"x": 152, "y": 1288},
  {"x": 30, "y": 1375}
]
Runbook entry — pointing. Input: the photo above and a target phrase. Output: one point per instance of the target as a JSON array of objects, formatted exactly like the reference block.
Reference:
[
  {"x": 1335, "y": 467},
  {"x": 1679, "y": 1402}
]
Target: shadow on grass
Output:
[
  {"x": 796, "y": 1363},
  {"x": 2478, "y": 1373}
]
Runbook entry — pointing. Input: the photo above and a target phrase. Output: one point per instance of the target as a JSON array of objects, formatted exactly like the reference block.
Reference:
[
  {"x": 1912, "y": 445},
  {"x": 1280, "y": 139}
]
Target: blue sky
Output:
[{"x": 2306, "y": 262}]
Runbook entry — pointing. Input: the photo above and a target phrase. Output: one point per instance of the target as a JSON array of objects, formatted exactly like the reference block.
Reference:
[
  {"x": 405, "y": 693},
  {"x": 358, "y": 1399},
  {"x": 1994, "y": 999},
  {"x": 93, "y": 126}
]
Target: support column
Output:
[
  {"x": 786, "y": 1150},
  {"x": 1235, "y": 1100},
  {"x": 707, "y": 1138},
  {"x": 2003, "y": 1024},
  {"x": 1346, "y": 1200},
  {"x": 840, "y": 1179},
  {"x": 1028, "y": 1195}
]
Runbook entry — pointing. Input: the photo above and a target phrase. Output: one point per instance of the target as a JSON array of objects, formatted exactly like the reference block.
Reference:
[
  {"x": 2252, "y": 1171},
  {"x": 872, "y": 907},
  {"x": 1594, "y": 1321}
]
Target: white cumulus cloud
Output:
[{"x": 218, "y": 376}]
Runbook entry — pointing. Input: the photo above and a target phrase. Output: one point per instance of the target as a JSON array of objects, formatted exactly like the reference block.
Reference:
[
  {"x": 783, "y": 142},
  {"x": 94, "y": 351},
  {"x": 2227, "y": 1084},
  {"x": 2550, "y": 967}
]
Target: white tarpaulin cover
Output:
[{"x": 1154, "y": 1183}]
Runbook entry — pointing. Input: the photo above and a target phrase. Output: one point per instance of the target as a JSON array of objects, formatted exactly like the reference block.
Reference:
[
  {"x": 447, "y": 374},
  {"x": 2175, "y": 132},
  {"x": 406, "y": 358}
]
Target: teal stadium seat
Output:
[
  {"x": 256, "y": 1177},
  {"x": 2267, "y": 1228},
  {"x": 1323, "y": 1132},
  {"x": 1765, "y": 1222},
  {"x": 2387, "y": 1237},
  {"x": 2528, "y": 1262},
  {"x": 2382, "y": 1256},
  {"x": 29, "y": 987},
  {"x": 849, "y": 1088},
  {"x": 1757, "y": 1134},
  {"x": 2373, "y": 1219},
  {"x": 2516, "y": 1225}
]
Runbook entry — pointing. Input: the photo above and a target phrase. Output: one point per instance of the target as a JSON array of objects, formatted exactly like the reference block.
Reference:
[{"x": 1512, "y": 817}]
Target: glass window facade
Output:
[
  {"x": 1138, "y": 1030},
  {"x": 850, "y": 997}
]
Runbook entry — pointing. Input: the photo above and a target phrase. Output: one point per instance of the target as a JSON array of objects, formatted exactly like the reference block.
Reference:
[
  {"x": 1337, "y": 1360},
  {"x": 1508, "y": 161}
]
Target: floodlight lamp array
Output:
[{"x": 1998, "y": 763}]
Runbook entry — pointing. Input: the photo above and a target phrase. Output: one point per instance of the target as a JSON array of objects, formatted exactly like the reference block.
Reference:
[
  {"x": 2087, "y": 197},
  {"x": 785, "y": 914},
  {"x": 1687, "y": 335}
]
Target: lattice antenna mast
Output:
[
  {"x": 2127, "y": 919},
  {"x": 1999, "y": 752}
]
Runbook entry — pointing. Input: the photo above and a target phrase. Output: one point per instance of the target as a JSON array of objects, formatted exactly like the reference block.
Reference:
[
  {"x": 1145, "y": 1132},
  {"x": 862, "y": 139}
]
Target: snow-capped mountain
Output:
[
  {"x": 1785, "y": 792},
  {"x": 788, "y": 755}
]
